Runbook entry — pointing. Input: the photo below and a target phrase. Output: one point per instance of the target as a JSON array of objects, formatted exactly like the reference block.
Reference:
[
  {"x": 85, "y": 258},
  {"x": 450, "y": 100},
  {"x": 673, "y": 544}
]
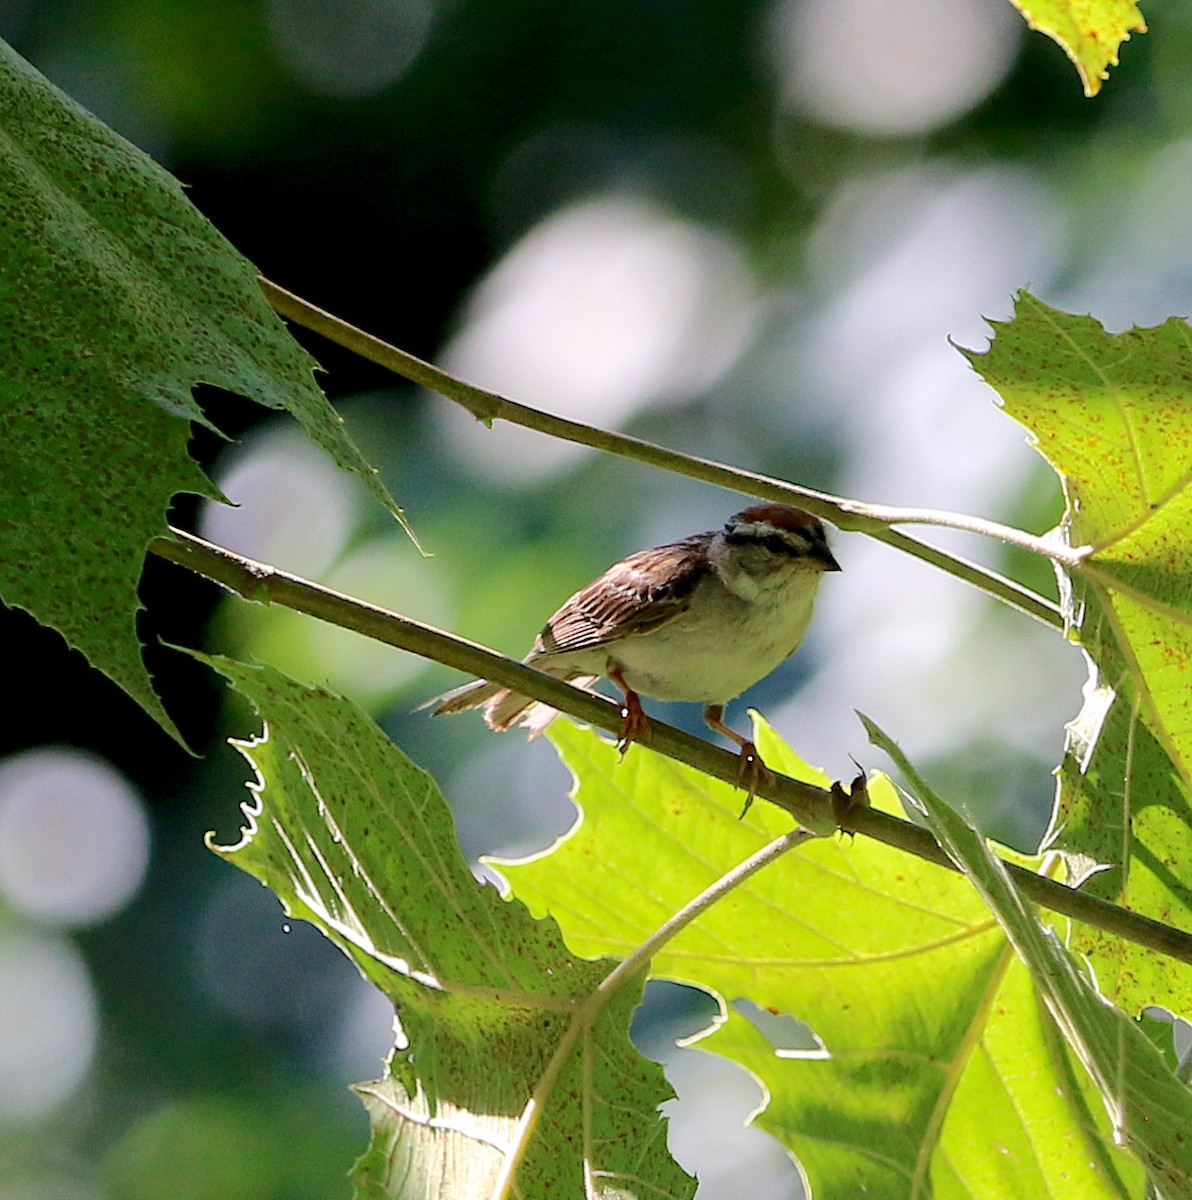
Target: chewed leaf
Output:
[{"x": 511, "y": 1066}]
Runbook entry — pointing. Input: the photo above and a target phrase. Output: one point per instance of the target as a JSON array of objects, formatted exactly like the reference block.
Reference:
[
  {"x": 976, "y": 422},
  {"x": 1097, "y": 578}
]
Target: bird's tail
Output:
[
  {"x": 502, "y": 706},
  {"x": 462, "y": 699}
]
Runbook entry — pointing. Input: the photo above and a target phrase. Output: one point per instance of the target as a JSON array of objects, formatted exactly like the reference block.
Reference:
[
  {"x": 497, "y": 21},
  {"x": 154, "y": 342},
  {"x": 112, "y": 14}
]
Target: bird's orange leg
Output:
[
  {"x": 753, "y": 772},
  {"x": 635, "y": 725}
]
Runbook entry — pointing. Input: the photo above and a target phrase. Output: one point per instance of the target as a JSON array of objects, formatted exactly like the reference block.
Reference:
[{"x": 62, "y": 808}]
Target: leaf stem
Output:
[
  {"x": 854, "y": 516},
  {"x": 811, "y": 806},
  {"x": 700, "y": 904}
]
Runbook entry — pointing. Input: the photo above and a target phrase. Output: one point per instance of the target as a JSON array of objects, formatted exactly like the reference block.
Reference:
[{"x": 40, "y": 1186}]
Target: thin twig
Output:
[
  {"x": 854, "y": 516},
  {"x": 695, "y": 908},
  {"x": 812, "y": 807}
]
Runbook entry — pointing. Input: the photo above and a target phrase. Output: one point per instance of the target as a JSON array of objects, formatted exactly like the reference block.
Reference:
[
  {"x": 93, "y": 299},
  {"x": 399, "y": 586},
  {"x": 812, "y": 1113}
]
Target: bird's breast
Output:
[{"x": 723, "y": 644}]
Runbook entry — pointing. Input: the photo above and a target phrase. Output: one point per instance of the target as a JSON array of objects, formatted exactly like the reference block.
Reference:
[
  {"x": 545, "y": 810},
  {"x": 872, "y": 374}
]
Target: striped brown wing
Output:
[{"x": 638, "y": 594}]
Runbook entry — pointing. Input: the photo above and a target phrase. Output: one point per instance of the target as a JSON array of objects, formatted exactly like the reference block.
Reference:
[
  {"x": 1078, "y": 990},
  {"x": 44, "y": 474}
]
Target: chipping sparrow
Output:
[{"x": 698, "y": 620}]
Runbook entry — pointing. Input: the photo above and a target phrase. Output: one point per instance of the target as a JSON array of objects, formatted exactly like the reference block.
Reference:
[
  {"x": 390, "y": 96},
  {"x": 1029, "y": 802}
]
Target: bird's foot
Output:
[
  {"x": 752, "y": 774},
  {"x": 635, "y": 725}
]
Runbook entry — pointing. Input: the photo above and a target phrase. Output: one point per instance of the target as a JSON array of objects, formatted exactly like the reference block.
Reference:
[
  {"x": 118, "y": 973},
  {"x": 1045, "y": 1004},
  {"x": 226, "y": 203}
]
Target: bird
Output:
[{"x": 697, "y": 620}]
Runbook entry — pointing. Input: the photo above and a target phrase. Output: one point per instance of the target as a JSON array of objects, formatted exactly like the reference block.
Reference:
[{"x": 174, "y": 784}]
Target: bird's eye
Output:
[{"x": 777, "y": 544}]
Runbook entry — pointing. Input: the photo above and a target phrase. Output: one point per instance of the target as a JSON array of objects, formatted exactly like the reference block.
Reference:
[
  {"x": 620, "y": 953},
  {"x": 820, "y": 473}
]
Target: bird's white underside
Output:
[{"x": 724, "y": 643}]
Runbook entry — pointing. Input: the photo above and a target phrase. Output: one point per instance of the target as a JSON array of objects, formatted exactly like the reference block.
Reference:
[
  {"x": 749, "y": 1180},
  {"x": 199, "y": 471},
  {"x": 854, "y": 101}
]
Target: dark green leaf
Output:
[{"x": 118, "y": 297}]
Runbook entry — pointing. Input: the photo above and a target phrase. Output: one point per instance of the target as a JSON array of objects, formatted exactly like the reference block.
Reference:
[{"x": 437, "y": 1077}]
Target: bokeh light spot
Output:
[
  {"x": 606, "y": 306},
  {"x": 349, "y": 49},
  {"x": 74, "y": 839},
  {"x": 890, "y": 66},
  {"x": 295, "y": 508},
  {"x": 247, "y": 967},
  {"x": 48, "y": 1022},
  {"x": 387, "y": 571}
]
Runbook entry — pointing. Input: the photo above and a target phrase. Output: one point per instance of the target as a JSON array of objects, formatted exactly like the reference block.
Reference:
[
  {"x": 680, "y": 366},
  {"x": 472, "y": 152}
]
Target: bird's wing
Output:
[{"x": 627, "y": 599}]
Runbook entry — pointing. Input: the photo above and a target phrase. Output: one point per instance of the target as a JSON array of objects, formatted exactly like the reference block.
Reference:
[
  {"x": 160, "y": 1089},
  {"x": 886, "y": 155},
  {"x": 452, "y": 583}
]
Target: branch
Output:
[
  {"x": 853, "y": 516},
  {"x": 811, "y": 806}
]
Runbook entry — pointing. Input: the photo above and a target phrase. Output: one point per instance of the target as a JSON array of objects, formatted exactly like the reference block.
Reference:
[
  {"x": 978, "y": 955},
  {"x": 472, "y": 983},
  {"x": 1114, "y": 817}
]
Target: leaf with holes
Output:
[
  {"x": 118, "y": 298},
  {"x": 513, "y": 1074},
  {"x": 938, "y": 1074},
  {"x": 1113, "y": 416}
]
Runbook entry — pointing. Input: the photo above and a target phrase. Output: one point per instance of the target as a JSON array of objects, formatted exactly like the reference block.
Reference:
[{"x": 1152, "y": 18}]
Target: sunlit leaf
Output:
[
  {"x": 1150, "y": 1108},
  {"x": 1123, "y": 803},
  {"x": 118, "y": 298},
  {"x": 509, "y": 1063},
  {"x": 940, "y": 1074},
  {"x": 1090, "y": 32},
  {"x": 1113, "y": 415}
]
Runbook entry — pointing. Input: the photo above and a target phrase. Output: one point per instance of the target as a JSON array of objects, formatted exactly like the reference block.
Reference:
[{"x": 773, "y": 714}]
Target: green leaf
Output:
[
  {"x": 939, "y": 1075},
  {"x": 1150, "y": 1108},
  {"x": 513, "y": 1074},
  {"x": 118, "y": 298},
  {"x": 1122, "y": 803},
  {"x": 1113, "y": 416},
  {"x": 1089, "y": 31}
]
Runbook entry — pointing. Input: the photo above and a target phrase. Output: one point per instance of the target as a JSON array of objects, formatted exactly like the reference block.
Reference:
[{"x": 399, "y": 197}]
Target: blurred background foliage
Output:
[{"x": 744, "y": 228}]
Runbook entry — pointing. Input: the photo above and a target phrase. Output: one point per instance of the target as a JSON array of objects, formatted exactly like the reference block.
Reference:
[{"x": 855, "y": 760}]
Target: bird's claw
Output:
[
  {"x": 752, "y": 774},
  {"x": 635, "y": 725}
]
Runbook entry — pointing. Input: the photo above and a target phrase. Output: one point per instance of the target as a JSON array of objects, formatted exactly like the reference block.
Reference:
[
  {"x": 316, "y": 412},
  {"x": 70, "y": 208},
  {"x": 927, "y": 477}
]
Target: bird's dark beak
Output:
[{"x": 823, "y": 556}]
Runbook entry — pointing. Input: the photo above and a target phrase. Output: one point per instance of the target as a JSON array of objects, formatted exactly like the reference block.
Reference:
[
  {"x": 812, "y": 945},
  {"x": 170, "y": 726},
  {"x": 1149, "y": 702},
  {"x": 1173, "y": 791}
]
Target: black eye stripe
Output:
[{"x": 776, "y": 543}]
